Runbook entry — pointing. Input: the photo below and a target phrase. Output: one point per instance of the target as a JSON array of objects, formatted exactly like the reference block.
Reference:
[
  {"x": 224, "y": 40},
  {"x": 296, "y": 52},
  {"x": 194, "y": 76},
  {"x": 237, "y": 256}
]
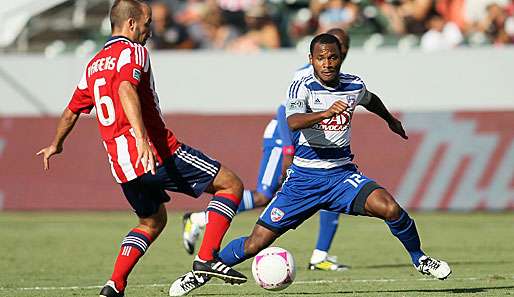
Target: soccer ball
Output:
[{"x": 273, "y": 269}]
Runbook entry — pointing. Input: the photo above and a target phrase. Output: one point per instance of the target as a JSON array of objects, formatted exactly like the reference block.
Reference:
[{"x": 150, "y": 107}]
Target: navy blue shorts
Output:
[{"x": 187, "y": 171}]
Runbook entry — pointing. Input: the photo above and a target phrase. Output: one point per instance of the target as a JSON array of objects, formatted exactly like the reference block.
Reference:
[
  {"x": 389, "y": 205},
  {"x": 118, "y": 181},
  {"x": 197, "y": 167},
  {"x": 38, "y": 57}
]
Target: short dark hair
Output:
[
  {"x": 324, "y": 38},
  {"x": 344, "y": 38},
  {"x": 123, "y": 10}
]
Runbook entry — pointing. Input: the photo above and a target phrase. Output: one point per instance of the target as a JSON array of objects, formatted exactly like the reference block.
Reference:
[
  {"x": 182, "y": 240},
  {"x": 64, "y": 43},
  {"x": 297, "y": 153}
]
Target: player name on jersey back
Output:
[
  {"x": 101, "y": 64},
  {"x": 122, "y": 61}
]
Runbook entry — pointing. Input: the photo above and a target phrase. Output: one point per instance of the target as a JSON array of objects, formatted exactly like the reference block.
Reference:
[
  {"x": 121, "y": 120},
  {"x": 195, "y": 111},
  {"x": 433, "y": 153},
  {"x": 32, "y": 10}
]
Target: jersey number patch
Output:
[
  {"x": 105, "y": 115},
  {"x": 354, "y": 179}
]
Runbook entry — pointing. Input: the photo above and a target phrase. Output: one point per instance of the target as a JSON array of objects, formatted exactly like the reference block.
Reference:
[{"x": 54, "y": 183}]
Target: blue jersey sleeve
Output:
[{"x": 283, "y": 128}]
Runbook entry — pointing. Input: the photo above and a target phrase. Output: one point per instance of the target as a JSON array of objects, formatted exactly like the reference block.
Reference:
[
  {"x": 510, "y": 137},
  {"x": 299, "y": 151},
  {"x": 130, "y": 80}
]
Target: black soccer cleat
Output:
[
  {"x": 109, "y": 290},
  {"x": 216, "y": 268}
]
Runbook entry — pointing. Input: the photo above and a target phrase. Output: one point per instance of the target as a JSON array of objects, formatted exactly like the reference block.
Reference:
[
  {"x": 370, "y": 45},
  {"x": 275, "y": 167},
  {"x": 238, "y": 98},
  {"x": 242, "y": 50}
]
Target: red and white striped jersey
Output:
[{"x": 122, "y": 60}]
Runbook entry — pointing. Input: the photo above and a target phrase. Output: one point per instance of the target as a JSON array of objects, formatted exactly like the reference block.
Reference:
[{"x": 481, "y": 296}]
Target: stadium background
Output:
[{"x": 456, "y": 101}]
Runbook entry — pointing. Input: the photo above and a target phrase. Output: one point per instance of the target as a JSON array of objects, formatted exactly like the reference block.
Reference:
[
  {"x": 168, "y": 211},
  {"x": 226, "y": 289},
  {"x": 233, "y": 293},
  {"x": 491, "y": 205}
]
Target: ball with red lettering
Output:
[{"x": 273, "y": 268}]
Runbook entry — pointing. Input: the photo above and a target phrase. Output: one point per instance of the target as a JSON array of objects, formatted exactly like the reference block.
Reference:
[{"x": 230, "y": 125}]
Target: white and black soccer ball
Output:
[{"x": 273, "y": 268}]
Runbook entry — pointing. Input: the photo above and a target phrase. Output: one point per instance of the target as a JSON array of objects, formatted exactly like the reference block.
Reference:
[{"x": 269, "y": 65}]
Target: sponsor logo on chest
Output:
[{"x": 338, "y": 122}]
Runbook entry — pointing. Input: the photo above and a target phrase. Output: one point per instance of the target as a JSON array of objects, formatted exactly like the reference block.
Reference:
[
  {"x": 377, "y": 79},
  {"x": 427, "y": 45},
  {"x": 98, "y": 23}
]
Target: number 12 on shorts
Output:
[{"x": 355, "y": 179}]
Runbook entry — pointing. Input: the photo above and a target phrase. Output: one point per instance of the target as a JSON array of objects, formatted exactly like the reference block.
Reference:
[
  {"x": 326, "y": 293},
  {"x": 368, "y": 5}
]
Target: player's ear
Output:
[
  {"x": 132, "y": 24},
  {"x": 343, "y": 54},
  {"x": 310, "y": 59}
]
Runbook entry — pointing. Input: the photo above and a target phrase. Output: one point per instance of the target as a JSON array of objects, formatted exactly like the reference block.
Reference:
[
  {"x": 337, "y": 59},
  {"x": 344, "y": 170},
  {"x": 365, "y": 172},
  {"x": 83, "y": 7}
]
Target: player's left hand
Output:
[
  {"x": 396, "y": 126},
  {"x": 145, "y": 155},
  {"x": 47, "y": 152}
]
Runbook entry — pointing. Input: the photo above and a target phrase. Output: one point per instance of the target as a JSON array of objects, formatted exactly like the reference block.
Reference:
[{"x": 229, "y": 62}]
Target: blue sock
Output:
[
  {"x": 233, "y": 253},
  {"x": 246, "y": 202},
  {"x": 328, "y": 222},
  {"x": 405, "y": 230}
]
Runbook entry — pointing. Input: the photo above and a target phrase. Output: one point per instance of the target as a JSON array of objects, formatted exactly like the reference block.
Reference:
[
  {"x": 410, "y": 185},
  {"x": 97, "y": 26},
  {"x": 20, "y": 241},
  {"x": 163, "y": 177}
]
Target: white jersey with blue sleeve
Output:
[{"x": 325, "y": 145}]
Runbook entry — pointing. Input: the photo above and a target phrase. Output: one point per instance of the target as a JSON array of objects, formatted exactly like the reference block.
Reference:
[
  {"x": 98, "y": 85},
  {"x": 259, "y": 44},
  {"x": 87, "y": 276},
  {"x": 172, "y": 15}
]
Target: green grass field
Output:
[{"x": 72, "y": 253}]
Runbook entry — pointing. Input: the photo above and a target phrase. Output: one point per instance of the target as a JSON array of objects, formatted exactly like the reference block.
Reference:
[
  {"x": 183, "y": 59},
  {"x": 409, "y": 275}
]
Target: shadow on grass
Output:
[
  {"x": 452, "y": 290},
  {"x": 451, "y": 263}
]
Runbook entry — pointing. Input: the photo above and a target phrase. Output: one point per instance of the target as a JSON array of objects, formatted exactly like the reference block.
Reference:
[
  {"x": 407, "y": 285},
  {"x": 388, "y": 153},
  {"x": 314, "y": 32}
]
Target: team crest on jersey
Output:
[
  {"x": 276, "y": 214},
  {"x": 136, "y": 74}
]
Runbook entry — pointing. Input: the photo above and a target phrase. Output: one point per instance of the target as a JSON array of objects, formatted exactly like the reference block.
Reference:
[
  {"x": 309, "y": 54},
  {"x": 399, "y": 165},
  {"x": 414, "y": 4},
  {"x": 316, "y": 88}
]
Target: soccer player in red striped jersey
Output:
[{"x": 145, "y": 157}]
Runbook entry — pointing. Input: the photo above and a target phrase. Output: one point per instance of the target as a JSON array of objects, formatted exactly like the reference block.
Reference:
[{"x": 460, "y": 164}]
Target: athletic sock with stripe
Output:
[
  {"x": 220, "y": 212},
  {"x": 133, "y": 247}
]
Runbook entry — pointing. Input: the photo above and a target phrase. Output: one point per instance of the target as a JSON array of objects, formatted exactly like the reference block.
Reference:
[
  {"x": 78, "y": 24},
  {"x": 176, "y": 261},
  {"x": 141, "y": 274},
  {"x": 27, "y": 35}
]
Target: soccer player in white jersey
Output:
[
  {"x": 277, "y": 156},
  {"x": 322, "y": 176}
]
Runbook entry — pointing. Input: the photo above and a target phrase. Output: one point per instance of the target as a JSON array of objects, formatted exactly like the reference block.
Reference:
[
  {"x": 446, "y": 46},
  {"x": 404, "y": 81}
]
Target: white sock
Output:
[
  {"x": 199, "y": 218},
  {"x": 318, "y": 256},
  {"x": 198, "y": 259}
]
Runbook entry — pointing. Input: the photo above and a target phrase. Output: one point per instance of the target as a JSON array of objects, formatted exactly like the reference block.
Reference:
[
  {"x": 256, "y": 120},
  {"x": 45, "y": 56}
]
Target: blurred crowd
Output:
[{"x": 255, "y": 25}]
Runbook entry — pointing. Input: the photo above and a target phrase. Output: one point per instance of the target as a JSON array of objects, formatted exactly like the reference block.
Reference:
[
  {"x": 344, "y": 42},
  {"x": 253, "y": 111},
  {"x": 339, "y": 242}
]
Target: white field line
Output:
[{"x": 306, "y": 282}]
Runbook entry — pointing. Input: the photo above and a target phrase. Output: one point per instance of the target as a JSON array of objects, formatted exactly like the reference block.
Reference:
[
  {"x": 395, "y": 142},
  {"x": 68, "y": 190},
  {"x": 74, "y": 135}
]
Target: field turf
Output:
[{"x": 72, "y": 254}]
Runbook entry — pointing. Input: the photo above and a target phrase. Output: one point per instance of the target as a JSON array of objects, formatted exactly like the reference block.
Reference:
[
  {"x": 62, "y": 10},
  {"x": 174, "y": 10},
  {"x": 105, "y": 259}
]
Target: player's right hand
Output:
[
  {"x": 145, "y": 156},
  {"x": 47, "y": 152},
  {"x": 336, "y": 109}
]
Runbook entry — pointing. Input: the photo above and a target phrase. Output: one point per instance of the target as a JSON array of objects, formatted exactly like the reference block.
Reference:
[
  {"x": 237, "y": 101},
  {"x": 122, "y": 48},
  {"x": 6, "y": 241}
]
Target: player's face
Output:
[
  {"x": 326, "y": 60},
  {"x": 142, "y": 26}
]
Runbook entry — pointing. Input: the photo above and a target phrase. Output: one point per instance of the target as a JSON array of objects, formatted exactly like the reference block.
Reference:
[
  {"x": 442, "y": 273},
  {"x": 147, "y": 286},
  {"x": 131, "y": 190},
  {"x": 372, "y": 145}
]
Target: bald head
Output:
[{"x": 123, "y": 10}]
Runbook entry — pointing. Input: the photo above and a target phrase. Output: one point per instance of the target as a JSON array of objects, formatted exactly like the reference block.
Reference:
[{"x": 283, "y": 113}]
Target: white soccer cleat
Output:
[
  {"x": 433, "y": 267},
  {"x": 187, "y": 283},
  {"x": 191, "y": 232}
]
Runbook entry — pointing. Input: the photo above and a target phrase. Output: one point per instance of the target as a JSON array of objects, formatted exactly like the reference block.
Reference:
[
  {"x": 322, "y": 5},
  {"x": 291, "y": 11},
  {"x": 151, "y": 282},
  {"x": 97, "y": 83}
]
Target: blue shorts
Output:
[
  {"x": 187, "y": 171},
  {"x": 306, "y": 191},
  {"x": 269, "y": 171}
]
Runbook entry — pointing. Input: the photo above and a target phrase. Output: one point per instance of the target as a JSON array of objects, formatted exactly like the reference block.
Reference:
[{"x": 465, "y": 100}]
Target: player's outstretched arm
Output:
[
  {"x": 377, "y": 107},
  {"x": 64, "y": 127},
  {"x": 132, "y": 108},
  {"x": 305, "y": 120}
]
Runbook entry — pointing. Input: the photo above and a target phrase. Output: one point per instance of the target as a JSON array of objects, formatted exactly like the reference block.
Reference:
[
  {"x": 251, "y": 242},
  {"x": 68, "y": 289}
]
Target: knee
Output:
[
  {"x": 392, "y": 210},
  {"x": 158, "y": 226},
  {"x": 382, "y": 205},
  {"x": 155, "y": 225},
  {"x": 236, "y": 185},
  {"x": 260, "y": 200}
]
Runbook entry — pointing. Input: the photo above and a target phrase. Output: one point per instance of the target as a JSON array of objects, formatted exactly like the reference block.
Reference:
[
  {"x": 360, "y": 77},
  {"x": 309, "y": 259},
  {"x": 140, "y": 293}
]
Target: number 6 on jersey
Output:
[{"x": 108, "y": 118}]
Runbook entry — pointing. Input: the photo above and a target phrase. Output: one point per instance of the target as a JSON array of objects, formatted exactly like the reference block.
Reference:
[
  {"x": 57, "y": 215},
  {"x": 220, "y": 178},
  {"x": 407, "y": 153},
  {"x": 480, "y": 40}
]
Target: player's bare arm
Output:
[
  {"x": 377, "y": 107},
  {"x": 305, "y": 120},
  {"x": 64, "y": 127},
  {"x": 132, "y": 108}
]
